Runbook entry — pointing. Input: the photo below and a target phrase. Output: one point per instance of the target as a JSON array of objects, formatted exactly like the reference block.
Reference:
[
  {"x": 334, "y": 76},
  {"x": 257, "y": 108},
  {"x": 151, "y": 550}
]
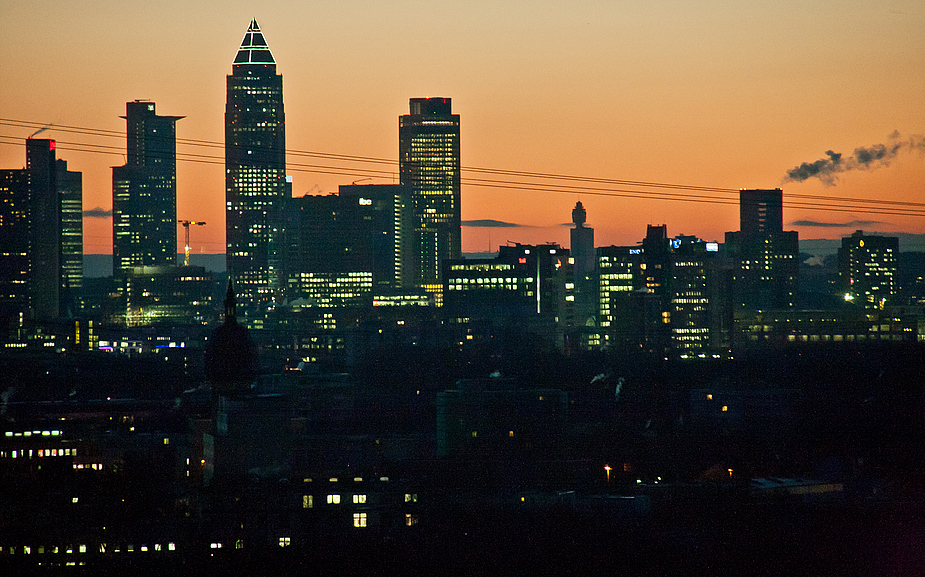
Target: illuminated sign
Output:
[
  {"x": 712, "y": 247},
  {"x": 635, "y": 251},
  {"x": 365, "y": 201}
]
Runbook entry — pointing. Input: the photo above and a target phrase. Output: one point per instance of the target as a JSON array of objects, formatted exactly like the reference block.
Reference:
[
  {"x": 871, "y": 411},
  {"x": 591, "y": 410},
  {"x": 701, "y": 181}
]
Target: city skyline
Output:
[{"x": 723, "y": 96}]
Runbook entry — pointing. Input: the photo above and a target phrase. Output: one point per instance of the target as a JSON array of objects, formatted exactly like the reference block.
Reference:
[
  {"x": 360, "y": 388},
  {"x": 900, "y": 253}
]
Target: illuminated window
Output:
[
  {"x": 411, "y": 519},
  {"x": 359, "y": 499},
  {"x": 725, "y": 408},
  {"x": 359, "y": 519},
  {"x": 333, "y": 499},
  {"x": 285, "y": 541},
  {"x": 308, "y": 501}
]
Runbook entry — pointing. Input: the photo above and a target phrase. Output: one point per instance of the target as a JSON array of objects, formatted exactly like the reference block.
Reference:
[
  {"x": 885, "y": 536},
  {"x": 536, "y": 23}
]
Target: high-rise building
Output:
[
  {"x": 144, "y": 192},
  {"x": 70, "y": 193},
  {"x": 867, "y": 267},
  {"x": 428, "y": 156},
  {"x": 388, "y": 220},
  {"x": 255, "y": 173},
  {"x": 765, "y": 256},
  {"x": 30, "y": 236}
]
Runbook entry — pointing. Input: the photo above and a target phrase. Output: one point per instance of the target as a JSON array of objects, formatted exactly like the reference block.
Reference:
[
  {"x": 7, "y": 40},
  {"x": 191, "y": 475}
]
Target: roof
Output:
[{"x": 254, "y": 49}]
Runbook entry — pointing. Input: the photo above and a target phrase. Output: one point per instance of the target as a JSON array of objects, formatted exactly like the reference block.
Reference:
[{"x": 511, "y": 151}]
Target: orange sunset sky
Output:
[{"x": 713, "y": 93}]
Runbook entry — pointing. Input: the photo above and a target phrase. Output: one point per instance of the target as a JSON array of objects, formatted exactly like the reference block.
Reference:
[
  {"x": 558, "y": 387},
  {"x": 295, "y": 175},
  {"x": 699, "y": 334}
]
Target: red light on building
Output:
[
  {"x": 522, "y": 260},
  {"x": 51, "y": 145}
]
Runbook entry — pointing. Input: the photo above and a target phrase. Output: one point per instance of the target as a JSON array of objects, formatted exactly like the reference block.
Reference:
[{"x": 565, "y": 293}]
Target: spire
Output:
[
  {"x": 254, "y": 49},
  {"x": 230, "y": 304}
]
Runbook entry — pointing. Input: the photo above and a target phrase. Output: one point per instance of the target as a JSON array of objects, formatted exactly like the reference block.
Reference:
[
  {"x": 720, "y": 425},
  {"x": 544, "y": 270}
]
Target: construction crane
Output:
[{"x": 186, "y": 224}]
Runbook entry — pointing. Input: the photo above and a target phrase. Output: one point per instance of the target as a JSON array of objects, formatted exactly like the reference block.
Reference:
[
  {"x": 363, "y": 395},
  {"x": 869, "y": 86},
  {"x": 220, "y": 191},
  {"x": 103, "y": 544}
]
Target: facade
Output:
[
  {"x": 15, "y": 264},
  {"x": 620, "y": 295},
  {"x": 867, "y": 268},
  {"x": 429, "y": 162},
  {"x": 255, "y": 173},
  {"x": 168, "y": 295},
  {"x": 765, "y": 256},
  {"x": 389, "y": 222},
  {"x": 144, "y": 192},
  {"x": 70, "y": 194}
]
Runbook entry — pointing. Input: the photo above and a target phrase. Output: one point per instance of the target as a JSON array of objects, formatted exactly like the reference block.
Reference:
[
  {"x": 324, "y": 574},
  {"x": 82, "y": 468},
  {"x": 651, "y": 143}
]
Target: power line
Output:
[{"x": 528, "y": 180}]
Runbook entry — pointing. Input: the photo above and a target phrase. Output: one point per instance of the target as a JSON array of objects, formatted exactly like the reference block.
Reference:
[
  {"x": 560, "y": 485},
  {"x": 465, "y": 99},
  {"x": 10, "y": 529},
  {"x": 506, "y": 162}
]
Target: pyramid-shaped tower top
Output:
[{"x": 254, "y": 49}]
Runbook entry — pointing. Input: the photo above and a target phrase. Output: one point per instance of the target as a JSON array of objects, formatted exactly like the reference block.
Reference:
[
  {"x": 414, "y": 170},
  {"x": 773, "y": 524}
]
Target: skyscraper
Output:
[
  {"x": 144, "y": 192},
  {"x": 765, "y": 256},
  {"x": 428, "y": 156},
  {"x": 255, "y": 172}
]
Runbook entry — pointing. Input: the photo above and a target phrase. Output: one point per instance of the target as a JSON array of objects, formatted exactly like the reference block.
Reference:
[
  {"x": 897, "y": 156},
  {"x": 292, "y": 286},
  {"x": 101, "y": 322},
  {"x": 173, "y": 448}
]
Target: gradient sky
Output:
[{"x": 725, "y": 94}]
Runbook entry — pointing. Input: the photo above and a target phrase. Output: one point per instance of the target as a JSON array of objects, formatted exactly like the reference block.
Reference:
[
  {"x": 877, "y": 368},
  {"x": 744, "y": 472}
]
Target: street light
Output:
[{"x": 608, "y": 468}]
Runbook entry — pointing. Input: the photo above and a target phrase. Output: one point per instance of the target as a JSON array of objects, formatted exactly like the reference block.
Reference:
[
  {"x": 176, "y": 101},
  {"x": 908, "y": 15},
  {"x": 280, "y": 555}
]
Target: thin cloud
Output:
[
  {"x": 852, "y": 224},
  {"x": 98, "y": 212},
  {"x": 490, "y": 223}
]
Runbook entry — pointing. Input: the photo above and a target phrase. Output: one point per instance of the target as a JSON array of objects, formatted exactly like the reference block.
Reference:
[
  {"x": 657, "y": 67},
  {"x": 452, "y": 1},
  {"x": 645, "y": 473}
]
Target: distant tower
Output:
[
  {"x": 867, "y": 267},
  {"x": 144, "y": 192},
  {"x": 765, "y": 256},
  {"x": 582, "y": 247},
  {"x": 255, "y": 172},
  {"x": 428, "y": 157}
]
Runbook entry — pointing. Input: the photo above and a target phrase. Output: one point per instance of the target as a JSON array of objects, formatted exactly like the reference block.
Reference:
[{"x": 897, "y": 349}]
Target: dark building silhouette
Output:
[
  {"x": 255, "y": 172},
  {"x": 429, "y": 162},
  {"x": 582, "y": 242},
  {"x": 230, "y": 355},
  {"x": 45, "y": 228},
  {"x": 867, "y": 268},
  {"x": 765, "y": 257},
  {"x": 144, "y": 192}
]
